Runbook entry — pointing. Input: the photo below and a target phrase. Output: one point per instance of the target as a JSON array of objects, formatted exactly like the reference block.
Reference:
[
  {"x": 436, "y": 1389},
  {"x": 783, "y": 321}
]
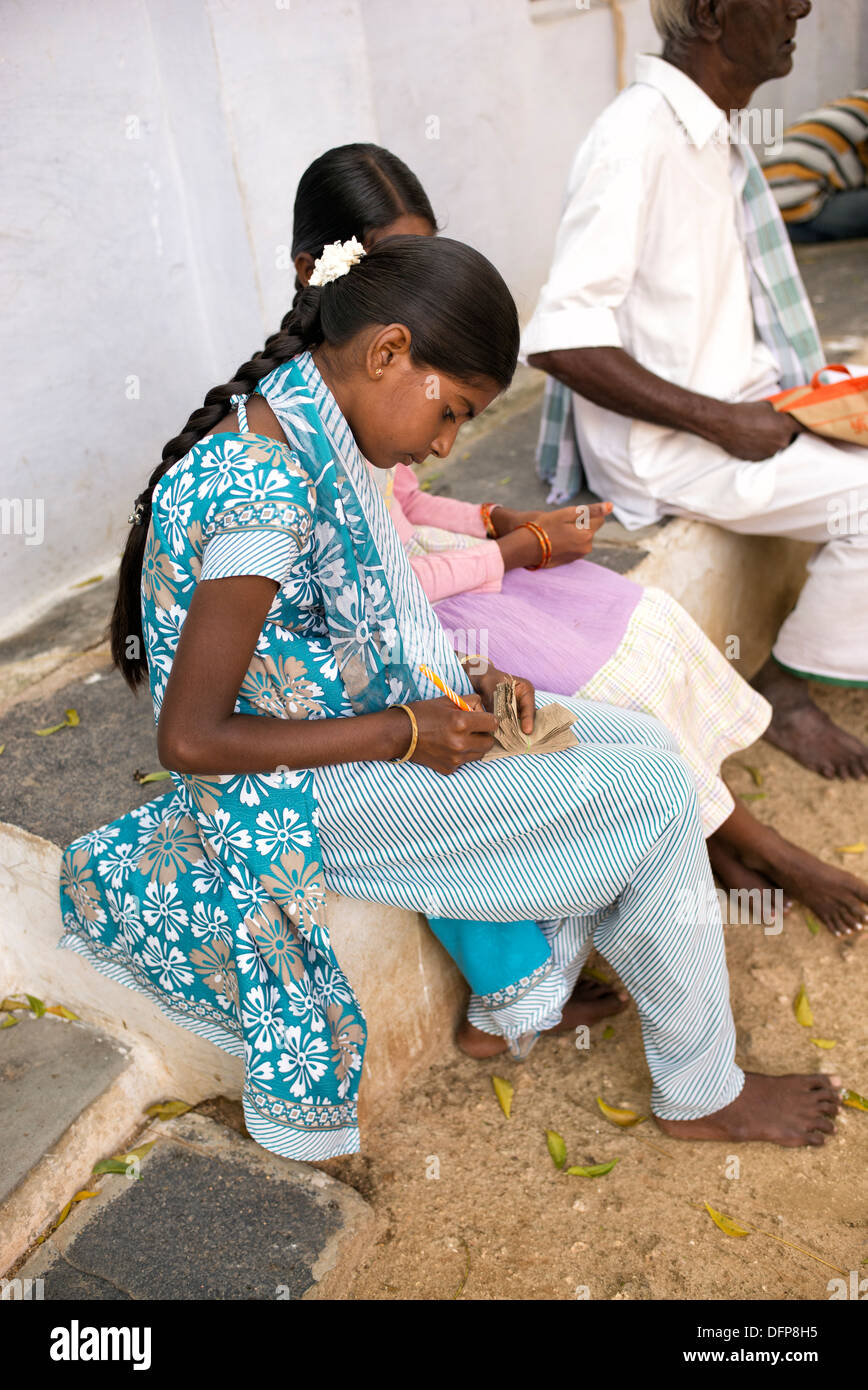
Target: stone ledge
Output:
[
  {"x": 213, "y": 1216},
  {"x": 409, "y": 989}
]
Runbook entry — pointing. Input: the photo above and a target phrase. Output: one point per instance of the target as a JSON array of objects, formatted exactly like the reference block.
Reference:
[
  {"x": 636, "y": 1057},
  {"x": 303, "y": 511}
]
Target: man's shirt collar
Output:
[{"x": 699, "y": 115}]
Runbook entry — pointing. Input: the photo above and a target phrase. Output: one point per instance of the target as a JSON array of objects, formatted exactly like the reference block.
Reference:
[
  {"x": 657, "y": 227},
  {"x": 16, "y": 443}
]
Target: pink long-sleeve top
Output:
[{"x": 447, "y": 572}]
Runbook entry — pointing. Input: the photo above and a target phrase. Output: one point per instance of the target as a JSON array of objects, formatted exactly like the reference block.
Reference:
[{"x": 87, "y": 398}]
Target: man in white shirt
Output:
[{"x": 650, "y": 317}]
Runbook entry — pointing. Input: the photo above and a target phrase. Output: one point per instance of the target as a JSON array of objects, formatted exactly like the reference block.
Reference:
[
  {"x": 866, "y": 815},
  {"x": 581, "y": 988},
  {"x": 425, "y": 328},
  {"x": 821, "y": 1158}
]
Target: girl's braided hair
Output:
[{"x": 462, "y": 321}]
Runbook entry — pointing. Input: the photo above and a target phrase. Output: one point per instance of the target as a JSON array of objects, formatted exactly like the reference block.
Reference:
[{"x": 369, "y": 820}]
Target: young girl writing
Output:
[{"x": 266, "y": 595}]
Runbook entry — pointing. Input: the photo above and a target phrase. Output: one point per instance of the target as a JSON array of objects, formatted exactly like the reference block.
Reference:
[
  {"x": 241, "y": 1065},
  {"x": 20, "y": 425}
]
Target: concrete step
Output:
[
  {"x": 68, "y": 1096},
  {"x": 212, "y": 1216}
]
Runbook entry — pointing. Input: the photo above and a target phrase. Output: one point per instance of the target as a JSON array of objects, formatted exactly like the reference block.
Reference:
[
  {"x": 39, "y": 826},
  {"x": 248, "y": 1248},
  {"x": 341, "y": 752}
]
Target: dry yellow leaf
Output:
[
  {"x": 593, "y": 1170},
  {"x": 824, "y": 1042},
  {"x": 61, "y": 1011},
  {"x": 69, "y": 722},
  {"x": 504, "y": 1090},
  {"x": 852, "y": 849},
  {"x": 167, "y": 1108},
  {"x": 624, "y": 1118},
  {"x": 854, "y": 1100},
  {"x": 726, "y": 1223},
  {"x": 802, "y": 1009},
  {"x": 556, "y": 1147}
]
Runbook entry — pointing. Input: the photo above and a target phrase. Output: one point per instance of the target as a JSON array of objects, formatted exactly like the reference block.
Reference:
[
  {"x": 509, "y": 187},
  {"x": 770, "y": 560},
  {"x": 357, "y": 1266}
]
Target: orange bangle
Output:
[
  {"x": 545, "y": 545},
  {"x": 485, "y": 510}
]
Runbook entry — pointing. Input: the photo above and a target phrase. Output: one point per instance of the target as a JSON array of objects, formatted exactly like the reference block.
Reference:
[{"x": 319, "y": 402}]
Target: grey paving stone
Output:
[
  {"x": 66, "y": 783},
  {"x": 50, "y": 1071},
  {"x": 213, "y": 1217}
]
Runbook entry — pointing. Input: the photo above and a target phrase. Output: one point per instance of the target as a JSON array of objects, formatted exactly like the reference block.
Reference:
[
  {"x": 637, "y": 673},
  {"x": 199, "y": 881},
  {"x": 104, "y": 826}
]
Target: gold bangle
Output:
[{"x": 415, "y": 738}]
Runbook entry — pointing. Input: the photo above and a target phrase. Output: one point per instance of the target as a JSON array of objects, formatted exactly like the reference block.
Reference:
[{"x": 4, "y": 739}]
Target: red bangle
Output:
[
  {"x": 545, "y": 544},
  {"x": 485, "y": 511}
]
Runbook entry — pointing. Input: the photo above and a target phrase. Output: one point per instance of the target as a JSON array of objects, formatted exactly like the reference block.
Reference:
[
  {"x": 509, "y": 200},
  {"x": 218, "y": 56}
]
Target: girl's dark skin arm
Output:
[{"x": 198, "y": 731}]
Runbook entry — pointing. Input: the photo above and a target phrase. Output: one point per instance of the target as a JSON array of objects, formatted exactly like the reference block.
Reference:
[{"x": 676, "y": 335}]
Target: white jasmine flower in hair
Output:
[{"x": 336, "y": 260}]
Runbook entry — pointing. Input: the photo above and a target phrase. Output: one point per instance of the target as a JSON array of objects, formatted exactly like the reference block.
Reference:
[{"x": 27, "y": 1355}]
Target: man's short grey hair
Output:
[{"x": 672, "y": 18}]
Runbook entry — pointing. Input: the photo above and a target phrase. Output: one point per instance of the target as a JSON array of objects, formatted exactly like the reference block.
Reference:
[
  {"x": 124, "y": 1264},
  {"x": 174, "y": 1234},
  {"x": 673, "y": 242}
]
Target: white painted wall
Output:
[{"x": 150, "y": 152}]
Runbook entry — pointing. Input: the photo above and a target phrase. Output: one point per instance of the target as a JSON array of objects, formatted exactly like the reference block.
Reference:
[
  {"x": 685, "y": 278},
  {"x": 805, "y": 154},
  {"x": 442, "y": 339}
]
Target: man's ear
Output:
[
  {"x": 389, "y": 344},
  {"x": 707, "y": 16},
  {"x": 304, "y": 267}
]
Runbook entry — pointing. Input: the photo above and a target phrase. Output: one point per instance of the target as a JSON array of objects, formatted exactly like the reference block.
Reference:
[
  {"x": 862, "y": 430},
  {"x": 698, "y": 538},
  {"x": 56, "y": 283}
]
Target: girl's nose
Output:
[{"x": 441, "y": 447}]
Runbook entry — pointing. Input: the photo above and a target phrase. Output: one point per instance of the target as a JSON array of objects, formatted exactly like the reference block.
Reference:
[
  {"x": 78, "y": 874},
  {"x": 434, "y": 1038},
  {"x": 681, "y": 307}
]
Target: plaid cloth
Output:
[{"x": 782, "y": 313}]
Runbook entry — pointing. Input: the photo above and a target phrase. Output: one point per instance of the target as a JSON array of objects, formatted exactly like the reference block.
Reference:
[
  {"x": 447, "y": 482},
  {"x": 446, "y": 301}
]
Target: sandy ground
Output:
[{"x": 472, "y": 1206}]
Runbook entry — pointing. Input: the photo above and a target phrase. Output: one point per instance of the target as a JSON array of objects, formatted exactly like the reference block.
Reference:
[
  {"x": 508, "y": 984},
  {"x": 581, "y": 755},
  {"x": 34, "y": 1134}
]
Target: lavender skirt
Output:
[{"x": 557, "y": 627}]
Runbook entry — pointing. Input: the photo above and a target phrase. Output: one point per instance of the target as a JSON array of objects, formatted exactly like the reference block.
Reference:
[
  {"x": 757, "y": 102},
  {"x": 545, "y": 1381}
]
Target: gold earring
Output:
[{"x": 378, "y": 372}]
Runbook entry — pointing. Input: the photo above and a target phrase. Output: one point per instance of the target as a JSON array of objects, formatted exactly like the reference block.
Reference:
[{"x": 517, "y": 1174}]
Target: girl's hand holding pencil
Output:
[{"x": 454, "y": 729}]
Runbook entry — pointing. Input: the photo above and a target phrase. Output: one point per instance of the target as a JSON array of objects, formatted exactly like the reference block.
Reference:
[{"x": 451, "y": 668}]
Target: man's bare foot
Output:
[
  {"x": 793, "y": 1111},
  {"x": 589, "y": 1002},
  {"x": 801, "y": 729},
  {"x": 838, "y": 898}
]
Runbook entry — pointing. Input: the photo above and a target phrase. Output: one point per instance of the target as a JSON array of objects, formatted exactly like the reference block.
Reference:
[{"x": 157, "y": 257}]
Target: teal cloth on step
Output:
[{"x": 492, "y": 955}]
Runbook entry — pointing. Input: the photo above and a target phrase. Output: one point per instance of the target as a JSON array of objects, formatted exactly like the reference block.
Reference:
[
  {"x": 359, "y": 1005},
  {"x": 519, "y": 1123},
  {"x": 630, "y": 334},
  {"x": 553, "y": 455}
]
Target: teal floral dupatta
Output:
[{"x": 212, "y": 900}]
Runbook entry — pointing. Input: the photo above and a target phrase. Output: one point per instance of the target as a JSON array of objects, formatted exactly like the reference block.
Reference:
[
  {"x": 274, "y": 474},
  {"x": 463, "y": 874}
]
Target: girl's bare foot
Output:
[
  {"x": 836, "y": 897},
  {"x": 733, "y": 873},
  {"x": 793, "y": 1111},
  {"x": 589, "y": 1002}
]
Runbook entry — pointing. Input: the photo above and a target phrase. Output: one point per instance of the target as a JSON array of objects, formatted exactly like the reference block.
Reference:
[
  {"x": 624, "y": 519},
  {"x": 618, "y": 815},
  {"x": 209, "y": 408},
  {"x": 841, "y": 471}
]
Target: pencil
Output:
[{"x": 441, "y": 685}]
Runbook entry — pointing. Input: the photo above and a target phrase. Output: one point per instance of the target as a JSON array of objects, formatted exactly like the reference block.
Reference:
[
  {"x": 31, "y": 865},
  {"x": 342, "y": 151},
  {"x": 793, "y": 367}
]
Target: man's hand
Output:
[{"x": 754, "y": 432}]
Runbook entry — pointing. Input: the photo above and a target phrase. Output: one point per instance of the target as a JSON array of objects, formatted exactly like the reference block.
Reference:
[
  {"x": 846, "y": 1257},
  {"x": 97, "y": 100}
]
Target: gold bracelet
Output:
[{"x": 414, "y": 740}]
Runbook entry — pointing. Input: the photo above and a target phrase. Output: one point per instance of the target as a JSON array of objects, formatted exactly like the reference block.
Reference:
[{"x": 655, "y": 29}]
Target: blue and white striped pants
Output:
[{"x": 601, "y": 844}]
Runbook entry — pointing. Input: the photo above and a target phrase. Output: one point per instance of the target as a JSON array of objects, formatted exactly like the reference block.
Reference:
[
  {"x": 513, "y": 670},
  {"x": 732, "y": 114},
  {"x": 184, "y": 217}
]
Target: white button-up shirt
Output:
[{"x": 650, "y": 257}]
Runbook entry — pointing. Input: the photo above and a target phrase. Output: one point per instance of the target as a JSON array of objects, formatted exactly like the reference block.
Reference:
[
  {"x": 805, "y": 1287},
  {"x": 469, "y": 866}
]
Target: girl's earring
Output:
[{"x": 378, "y": 372}]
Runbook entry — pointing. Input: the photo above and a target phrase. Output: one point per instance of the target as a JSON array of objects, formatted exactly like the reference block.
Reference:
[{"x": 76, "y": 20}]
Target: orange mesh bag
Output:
[{"x": 839, "y": 411}]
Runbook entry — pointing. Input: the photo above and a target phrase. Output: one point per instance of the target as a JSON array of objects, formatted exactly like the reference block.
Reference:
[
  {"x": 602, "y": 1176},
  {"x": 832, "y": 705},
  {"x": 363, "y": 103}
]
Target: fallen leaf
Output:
[
  {"x": 824, "y": 1042},
  {"x": 608, "y": 1032},
  {"x": 143, "y": 777},
  {"x": 36, "y": 1005},
  {"x": 167, "y": 1108},
  {"x": 814, "y": 927},
  {"x": 504, "y": 1090},
  {"x": 109, "y": 1165},
  {"x": 802, "y": 1009},
  {"x": 459, "y": 1291},
  {"x": 69, "y": 722},
  {"x": 140, "y": 1151},
  {"x": 9, "y": 1022},
  {"x": 596, "y": 975},
  {"x": 10, "y": 1004},
  {"x": 726, "y": 1224},
  {"x": 854, "y": 1100},
  {"x": 624, "y": 1118},
  {"x": 79, "y": 1197},
  {"x": 852, "y": 849},
  {"x": 2, "y": 746},
  {"x": 557, "y": 1148},
  {"x": 61, "y": 1011},
  {"x": 753, "y": 796},
  {"x": 83, "y": 583},
  {"x": 593, "y": 1170},
  {"x": 756, "y": 775},
  {"x": 503, "y": 481}
]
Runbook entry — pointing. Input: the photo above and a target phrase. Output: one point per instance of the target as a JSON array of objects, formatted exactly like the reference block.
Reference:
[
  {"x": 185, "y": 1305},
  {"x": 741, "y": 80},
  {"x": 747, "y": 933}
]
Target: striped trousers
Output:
[{"x": 601, "y": 844}]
